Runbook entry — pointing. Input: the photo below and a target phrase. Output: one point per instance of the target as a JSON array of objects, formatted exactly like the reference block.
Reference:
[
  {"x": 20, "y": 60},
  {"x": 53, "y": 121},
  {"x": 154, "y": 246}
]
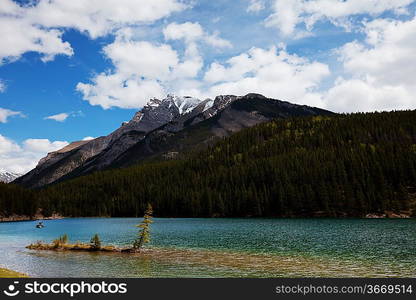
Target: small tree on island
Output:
[
  {"x": 144, "y": 233},
  {"x": 59, "y": 242},
  {"x": 95, "y": 242}
]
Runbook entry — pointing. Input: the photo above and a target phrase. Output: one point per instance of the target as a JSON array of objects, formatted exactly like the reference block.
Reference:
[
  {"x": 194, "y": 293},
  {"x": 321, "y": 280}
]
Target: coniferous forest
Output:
[{"x": 344, "y": 165}]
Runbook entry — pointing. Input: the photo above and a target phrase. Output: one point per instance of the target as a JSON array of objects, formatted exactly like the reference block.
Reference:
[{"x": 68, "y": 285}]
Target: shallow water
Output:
[{"x": 221, "y": 248}]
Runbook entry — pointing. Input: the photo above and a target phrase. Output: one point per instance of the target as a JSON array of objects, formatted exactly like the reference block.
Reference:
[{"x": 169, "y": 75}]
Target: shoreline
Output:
[
  {"x": 372, "y": 217},
  {"x": 18, "y": 218},
  {"x": 315, "y": 215}
]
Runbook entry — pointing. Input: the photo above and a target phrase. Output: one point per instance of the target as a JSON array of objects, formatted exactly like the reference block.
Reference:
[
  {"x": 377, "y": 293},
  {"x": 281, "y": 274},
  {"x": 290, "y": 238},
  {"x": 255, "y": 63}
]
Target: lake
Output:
[{"x": 220, "y": 248}]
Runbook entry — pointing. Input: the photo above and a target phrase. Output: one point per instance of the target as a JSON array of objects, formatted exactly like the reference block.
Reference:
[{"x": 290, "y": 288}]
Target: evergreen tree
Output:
[
  {"x": 144, "y": 233},
  {"x": 95, "y": 242}
]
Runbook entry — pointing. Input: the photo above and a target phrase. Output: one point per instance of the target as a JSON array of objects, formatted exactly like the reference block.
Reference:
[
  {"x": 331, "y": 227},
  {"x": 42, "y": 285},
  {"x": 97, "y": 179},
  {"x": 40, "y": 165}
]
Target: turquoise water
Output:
[{"x": 220, "y": 248}]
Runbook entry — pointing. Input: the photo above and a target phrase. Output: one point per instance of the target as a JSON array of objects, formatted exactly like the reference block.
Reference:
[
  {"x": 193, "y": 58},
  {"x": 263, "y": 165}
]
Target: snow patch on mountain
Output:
[
  {"x": 186, "y": 104},
  {"x": 7, "y": 177},
  {"x": 208, "y": 104}
]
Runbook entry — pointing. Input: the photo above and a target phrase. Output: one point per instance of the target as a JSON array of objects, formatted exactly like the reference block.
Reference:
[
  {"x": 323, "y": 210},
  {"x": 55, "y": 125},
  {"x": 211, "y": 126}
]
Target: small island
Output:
[{"x": 62, "y": 243}]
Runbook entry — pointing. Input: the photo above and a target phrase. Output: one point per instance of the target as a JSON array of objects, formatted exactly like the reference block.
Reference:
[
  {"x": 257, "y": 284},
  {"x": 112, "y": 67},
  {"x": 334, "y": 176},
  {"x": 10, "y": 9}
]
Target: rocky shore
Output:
[
  {"x": 389, "y": 215},
  {"x": 20, "y": 218}
]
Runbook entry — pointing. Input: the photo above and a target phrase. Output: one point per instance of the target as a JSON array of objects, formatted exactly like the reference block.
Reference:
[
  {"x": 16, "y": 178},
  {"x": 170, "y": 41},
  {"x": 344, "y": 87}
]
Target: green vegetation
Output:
[
  {"x": 17, "y": 200},
  {"x": 95, "y": 242},
  {"x": 345, "y": 165},
  {"x": 144, "y": 234},
  {"x": 72, "y": 247},
  {"x": 61, "y": 243},
  {"x": 4, "y": 273},
  {"x": 62, "y": 240}
]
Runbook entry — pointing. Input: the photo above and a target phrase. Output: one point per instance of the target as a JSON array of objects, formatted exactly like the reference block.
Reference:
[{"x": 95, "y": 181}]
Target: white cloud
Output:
[
  {"x": 114, "y": 90},
  {"x": 150, "y": 61},
  {"x": 100, "y": 17},
  {"x": 42, "y": 145},
  {"x": 21, "y": 37},
  {"x": 6, "y": 113},
  {"x": 58, "y": 117},
  {"x": 38, "y": 26},
  {"x": 63, "y": 116},
  {"x": 88, "y": 138},
  {"x": 274, "y": 73},
  {"x": 143, "y": 70},
  {"x": 256, "y": 6},
  {"x": 138, "y": 68},
  {"x": 193, "y": 32},
  {"x": 187, "y": 31},
  {"x": 288, "y": 14},
  {"x": 21, "y": 158},
  {"x": 7, "y": 146},
  {"x": 378, "y": 72},
  {"x": 215, "y": 41}
]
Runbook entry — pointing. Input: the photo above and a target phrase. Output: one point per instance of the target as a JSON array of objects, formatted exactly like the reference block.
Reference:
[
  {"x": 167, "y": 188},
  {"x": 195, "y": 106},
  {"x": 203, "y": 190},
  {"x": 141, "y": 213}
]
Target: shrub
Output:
[{"x": 95, "y": 242}]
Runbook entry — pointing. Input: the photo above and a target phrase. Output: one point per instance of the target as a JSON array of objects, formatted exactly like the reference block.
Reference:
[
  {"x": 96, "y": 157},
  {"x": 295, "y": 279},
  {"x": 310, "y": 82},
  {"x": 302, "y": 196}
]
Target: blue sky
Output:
[{"x": 76, "y": 69}]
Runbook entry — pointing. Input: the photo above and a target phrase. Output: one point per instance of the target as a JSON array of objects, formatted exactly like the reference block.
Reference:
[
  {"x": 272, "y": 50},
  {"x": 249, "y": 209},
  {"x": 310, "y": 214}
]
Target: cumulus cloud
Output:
[
  {"x": 274, "y": 73},
  {"x": 23, "y": 35},
  {"x": 255, "y": 6},
  {"x": 288, "y": 14},
  {"x": 378, "y": 72},
  {"x": 100, "y": 17},
  {"x": 6, "y": 113},
  {"x": 143, "y": 70},
  {"x": 21, "y": 158},
  {"x": 39, "y": 26},
  {"x": 188, "y": 31},
  {"x": 192, "y": 32},
  {"x": 138, "y": 68}
]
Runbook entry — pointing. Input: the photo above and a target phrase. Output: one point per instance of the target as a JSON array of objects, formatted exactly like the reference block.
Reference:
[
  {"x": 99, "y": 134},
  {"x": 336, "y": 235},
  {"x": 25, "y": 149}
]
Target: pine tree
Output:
[
  {"x": 144, "y": 233},
  {"x": 95, "y": 242}
]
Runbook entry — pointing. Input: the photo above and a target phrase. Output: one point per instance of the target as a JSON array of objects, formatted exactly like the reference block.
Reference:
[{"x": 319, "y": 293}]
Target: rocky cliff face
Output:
[
  {"x": 226, "y": 115},
  {"x": 162, "y": 127},
  {"x": 60, "y": 163}
]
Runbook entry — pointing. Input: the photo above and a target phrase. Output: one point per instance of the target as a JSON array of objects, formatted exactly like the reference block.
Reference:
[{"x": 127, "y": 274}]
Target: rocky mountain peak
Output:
[
  {"x": 218, "y": 104},
  {"x": 166, "y": 125}
]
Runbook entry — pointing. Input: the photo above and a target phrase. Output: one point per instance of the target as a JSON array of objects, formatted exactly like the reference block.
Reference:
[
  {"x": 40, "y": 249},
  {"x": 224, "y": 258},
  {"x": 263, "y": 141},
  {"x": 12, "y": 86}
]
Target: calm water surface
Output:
[{"x": 220, "y": 248}]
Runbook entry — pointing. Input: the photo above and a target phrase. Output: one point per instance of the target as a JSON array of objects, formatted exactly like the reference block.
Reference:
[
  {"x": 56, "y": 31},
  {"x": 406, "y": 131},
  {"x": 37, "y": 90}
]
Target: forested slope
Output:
[{"x": 346, "y": 165}]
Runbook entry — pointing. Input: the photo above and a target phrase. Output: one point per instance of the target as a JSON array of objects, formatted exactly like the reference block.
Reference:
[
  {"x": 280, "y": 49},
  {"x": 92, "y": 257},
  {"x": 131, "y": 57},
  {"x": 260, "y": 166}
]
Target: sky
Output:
[{"x": 74, "y": 70}]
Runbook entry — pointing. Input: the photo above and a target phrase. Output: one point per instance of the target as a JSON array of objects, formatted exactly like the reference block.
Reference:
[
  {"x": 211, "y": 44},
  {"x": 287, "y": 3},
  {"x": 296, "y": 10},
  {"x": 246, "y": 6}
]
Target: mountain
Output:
[
  {"x": 7, "y": 177},
  {"x": 163, "y": 128},
  {"x": 354, "y": 165}
]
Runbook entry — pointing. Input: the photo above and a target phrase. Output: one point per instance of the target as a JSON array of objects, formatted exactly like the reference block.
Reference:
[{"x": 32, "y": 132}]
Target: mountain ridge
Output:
[{"x": 183, "y": 122}]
